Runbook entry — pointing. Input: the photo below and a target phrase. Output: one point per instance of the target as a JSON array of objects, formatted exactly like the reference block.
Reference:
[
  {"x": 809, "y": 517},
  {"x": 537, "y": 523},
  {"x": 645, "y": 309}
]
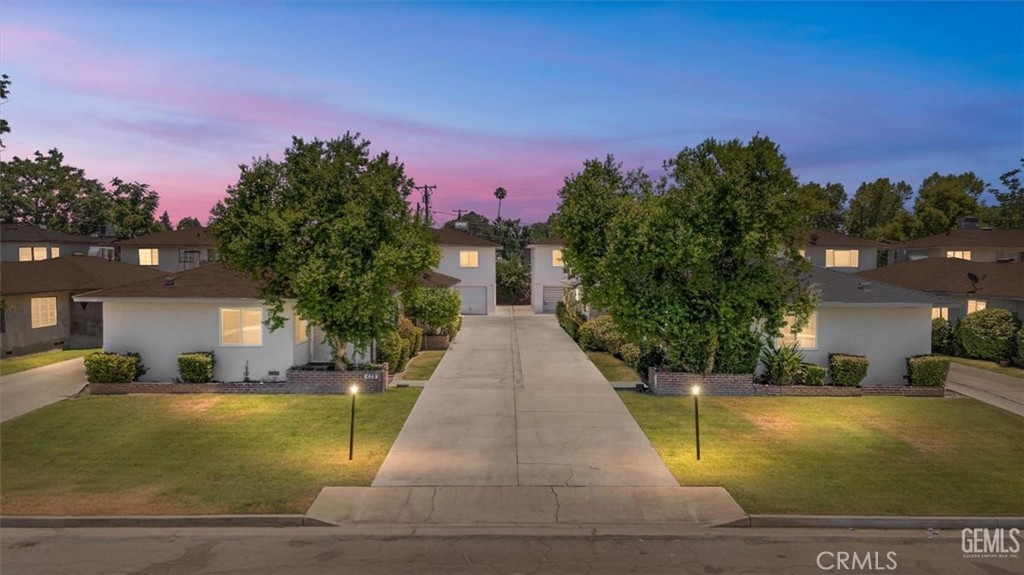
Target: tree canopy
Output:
[{"x": 943, "y": 200}]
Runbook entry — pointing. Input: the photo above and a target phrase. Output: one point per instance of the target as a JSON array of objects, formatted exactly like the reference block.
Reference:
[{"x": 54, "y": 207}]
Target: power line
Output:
[{"x": 425, "y": 189}]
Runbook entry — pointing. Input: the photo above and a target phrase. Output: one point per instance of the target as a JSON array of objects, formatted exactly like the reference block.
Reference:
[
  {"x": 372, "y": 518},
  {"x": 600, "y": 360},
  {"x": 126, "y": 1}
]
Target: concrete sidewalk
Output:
[
  {"x": 29, "y": 390},
  {"x": 1002, "y": 391}
]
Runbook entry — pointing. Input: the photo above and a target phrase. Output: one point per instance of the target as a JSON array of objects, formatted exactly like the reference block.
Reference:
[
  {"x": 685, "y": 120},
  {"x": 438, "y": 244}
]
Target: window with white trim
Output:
[
  {"x": 469, "y": 259},
  {"x": 241, "y": 326},
  {"x": 55, "y": 252},
  {"x": 806, "y": 339},
  {"x": 942, "y": 312},
  {"x": 32, "y": 253},
  {"x": 842, "y": 258},
  {"x": 44, "y": 312},
  {"x": 556, "y": 258},
  {"x": 974, "y": 305},
  {"x": 962, "y": 254},
  {"x": 149, "y": 257},
  {"x": 301, "y": 329}
]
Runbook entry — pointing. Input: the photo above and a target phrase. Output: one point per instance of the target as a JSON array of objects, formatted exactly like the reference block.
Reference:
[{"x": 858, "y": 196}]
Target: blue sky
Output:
[{"x": 472, "y": 96}]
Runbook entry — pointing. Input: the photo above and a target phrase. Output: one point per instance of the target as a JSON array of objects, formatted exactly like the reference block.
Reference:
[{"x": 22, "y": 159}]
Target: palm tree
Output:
[{"x": 501, "y": 194}]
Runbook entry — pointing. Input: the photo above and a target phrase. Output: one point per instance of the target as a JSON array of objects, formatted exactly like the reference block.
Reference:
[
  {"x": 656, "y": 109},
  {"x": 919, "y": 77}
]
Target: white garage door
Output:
[
  {"x": 474, "y": 299},
  {"x": 552, "y": 295}
]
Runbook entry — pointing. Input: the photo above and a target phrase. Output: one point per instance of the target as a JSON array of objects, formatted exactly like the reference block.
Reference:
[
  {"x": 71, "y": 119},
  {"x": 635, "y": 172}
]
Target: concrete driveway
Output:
[
  {"x": 29, "y": 390},
  {"x": 515, "y": 402},
  {"x": 1002, "y": 391}
]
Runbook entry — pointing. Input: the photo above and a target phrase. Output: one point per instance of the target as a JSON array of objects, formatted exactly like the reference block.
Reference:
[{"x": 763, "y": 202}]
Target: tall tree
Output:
[
  {"x": 501, "y": 194},
  {"x": 44, "y": 191},
  {"x": 943, "y": 200},
  {"x": 165, "y": 222},
  {"x": 822, "y": 207},
  {"x": 330, "y": 227},
  {"x": 1011, "y": 200},
  {"x": 5, "y": 83},
  {"x": 877, "y": 211},
  {"x": 189, "y": 222},
  {"x": 132, "y": 208}
]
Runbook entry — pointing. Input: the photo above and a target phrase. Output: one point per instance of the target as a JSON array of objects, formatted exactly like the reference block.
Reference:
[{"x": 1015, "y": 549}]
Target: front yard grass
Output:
[
  {"x": 421, "y": 367},
  {"x": 192, "y": 454},
  {"x": 844, "y": 455},
  {"x": 25, "y": 362},
  {"x": 611, "y": 367},
  {"x": 989, "y": 366}
]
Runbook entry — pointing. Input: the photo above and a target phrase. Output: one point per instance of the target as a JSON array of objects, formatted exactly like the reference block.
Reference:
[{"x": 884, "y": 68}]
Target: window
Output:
[
  {"x": 188, "y": 256},
  {"x": 241, "y": 326},
  {"x": 962, "y": 254},
  {"x": 974, "y": 305},
  {"x": 44, "y": 312},
  {"x": 36, "y": 254},
  {"x": 806, "y": 339},
  {"x": 301, "y": 329},
  {"x": 556, "y": 258},
  {"x": 842, "y": 258},
  {"x": 942, "y": 312},
  {"x": 469, "y": 259},
  {"x": 149, "y": 257},
  {"x": 55, "y": 252}
]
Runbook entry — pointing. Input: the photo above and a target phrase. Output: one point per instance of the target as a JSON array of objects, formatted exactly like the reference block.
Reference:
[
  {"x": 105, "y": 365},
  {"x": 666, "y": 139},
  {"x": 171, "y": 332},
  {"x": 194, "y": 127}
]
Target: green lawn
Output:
[
  {"x": 23, "y": 362},
  {"x": 858, "y": 456},
  {"x": 612, "y": 367},
  {"x": 989, "y": 366},
  {"x": 192, "y": 454},
  {"x": 421, "y": 367}
]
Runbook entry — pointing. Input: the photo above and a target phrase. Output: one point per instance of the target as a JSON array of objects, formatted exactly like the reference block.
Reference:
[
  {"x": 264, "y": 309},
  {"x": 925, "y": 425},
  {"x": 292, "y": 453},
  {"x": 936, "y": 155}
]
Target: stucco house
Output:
[
  {"x": 973, "y": 244},
  {"x": 971, "y": 285},
  {"x": 472, "y": 261},
  {"x": 548, "y": 280},
  {"x": 37, "y": 312},
  {"x": 173, "y": 251},
  {"x": 26, "y": 243},
  {"x": 840, "y": 252},
  {"x": 887, "y": 323}
]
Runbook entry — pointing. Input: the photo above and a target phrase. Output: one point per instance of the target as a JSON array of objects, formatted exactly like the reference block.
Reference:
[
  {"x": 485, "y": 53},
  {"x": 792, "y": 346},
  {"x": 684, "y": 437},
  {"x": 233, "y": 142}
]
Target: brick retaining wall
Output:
[
  {"x": 435, "y": 342},
  {"x": 724, "y": 384},
  {"x": 299, "y": 381}
]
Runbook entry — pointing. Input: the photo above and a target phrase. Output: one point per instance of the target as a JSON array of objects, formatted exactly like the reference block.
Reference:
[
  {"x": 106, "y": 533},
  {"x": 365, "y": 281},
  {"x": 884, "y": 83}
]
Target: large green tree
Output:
[
  {"x": 1010, "y": 214},
  {"x": 877, "y": 211},
  {"x": 5, "y": 83},
  {"x": 823, "y": 207},
  {"x": 942, "y": 200},
  {"x": 330, "y": 227}
]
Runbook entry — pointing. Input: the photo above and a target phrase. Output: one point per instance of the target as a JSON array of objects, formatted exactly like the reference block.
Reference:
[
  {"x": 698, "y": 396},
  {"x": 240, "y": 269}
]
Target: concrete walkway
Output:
[
  {"x": 1003, "y": 391},
  {"x": 515, "y": 402},
  {"x": 29, "y": 390}
]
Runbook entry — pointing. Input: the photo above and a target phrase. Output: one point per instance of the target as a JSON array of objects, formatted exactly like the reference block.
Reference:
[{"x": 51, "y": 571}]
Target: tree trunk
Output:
[{"x": 338, "y": 344}]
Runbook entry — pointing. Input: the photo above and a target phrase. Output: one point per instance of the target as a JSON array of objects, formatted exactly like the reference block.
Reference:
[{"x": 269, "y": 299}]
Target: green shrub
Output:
[
  {"x": 629, "y": 353},
  {"x": 847, "y": 370},
  {"x": 113, "y": 367},
  {"x": 783, "y": 365},
  {"x": 928, "y": 370},
  {"x": 391, "y": 349},
  {"x": 813, "y": 374},
  {"x": 1020, "y": 346},
  {"x": 196, "y": 366},
  {"x": 564, "y": 320},
  {"x": 739, "y": 356},
  {"x": 601, "y": 334},
  {"x": 989, "y": 334},
  {"x": 412, "y": 334},
  {"x": 436, "y": 309},
  {"x": 942, "y": 336}
]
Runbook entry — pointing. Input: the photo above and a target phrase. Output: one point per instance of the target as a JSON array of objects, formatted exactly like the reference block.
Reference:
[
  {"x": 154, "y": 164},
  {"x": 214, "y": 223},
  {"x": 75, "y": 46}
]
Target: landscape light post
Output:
[
  {"x": 696, "y": 416},
  {"x": 352, "y": 421}
]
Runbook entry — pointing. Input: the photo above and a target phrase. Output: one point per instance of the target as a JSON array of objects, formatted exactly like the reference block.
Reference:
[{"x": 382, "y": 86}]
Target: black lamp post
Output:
[
  {"x": 696, "y": 416},
  {"x": 352, "y": 421}
]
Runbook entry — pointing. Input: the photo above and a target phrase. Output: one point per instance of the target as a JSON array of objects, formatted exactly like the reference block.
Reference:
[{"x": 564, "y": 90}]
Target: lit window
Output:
[
  {"x": 39, "y": 253},
  {"x": 301, "y": 329},
  {"x": 149, "y": 257},
  {"x": 842, "y": 258},
  {"x": 806, "y": 339},
  {"x": 29, "y": 254},
  {"x": 974, "y": 305},
  {"x": 556, "y": 258},
  {"x": 241, "y": 326},
  {"x": 469, "y": 259},
  {"x": 962, "y": 254},
  {"x": 44, "y": 312},
  {"x": 802, "y": 252},
  {"x": 942, "y": 312},
  {"x": 55, "y": 252},
  {"x": 24, "y": 254}
]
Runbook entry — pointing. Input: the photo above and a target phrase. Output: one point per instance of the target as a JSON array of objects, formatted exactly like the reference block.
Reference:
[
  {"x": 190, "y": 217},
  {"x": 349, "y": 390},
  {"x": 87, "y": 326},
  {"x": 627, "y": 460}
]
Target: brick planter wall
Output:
[
  {"x": 722, "y": 384},
  {"x": 299, "y": 381},
  {"x": 679, "y": 383},
  {"x": 435, "y": 342}
]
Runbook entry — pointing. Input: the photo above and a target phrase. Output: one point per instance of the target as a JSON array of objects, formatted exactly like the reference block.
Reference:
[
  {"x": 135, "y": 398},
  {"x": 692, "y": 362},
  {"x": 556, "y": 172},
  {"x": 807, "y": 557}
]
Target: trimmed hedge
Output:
[
  {"x": 928, "y": 370},
  {"x": 630, "y": 354},
  {"x": 601, "y": 334},
  {"x": 412, "y": 334},
  {"x": 989, "y": 334},
  {"x": 942, "y": 336},
  {"x": 196, "y": 366},
  {"x": 113, "y": 367},
  {"x": 1020, "y": 346},
  {"x": 813, "y": 374},
  {"x": 392, "y": 350},
  {"x": 847, "y": 370},
  {"x": 570, "y": 326}
]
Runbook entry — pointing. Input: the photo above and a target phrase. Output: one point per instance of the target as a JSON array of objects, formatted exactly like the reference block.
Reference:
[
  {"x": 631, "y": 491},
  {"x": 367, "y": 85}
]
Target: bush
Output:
[
  {"x": 740, "y": 356},
  {"x": 928, "y": 370},
  {"x": 601, "y": 334},
  {"x": 567, "y": 323},
  {"x": 651, "y": 355},
  {"x": 391, "y": 349},
  {"x": 783, "y": 365},
  {"x": 629, "y": 353},
  {"x": 436, "y": 309},
  {"x": 813, "y": 374},
  {"x": 989, "y": 334},
  {"x": 942, "y": 336},
  {"x": 412, "y": 334},
  {"x": 113, "y": 367},
  {"x": 196, "y": 366},
  {"x": 847, "y": 370},
  {"x": 1020, "y": 346}
]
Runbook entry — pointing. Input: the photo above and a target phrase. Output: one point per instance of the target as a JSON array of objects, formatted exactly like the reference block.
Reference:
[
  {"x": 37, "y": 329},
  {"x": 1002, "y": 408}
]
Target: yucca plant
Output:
[{"x": 783, "y": 364}]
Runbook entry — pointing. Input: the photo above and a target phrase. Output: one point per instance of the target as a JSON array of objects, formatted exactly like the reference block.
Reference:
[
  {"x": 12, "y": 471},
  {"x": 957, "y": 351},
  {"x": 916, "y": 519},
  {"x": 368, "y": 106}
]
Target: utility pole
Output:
[{"x": 426, "y": 201}]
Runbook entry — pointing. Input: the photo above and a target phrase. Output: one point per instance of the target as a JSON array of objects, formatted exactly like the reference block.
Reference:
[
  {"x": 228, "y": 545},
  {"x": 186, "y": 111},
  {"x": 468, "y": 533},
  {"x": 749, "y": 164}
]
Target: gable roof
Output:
[
  {"x": 829, "y": 238},
  {"x": 35, "y": 234},
  {"x": 75, "y": 274},
  {"x": 970, "y": 238},
  {"x": 450, "y": 237},
  {"x": 949, "y": 275},
  {"x": 184, "y": 237},
  {"x": 839, "y": 288}
]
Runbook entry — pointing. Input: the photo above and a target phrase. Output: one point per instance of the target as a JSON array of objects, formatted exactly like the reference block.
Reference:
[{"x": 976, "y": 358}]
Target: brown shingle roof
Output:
[
  {"x": 209, "y": 281},
  {"x": 185, "y": 237},
  {"x": 828, "y": 238},
  {"x": 75, "y": 274},
  {"x": 450, "y": 237},
  {"x": 949, "y": 276},
  {"x": 430, "y": 278},
  {"x": 974, "y": 238},
  {"x": 36, "y": 234}
]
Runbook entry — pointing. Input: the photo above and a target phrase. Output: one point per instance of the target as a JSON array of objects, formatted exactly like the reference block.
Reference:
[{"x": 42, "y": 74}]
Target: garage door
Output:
[
  {"x": 552, "y": 295},
  {"x": 474, "y": 299}
]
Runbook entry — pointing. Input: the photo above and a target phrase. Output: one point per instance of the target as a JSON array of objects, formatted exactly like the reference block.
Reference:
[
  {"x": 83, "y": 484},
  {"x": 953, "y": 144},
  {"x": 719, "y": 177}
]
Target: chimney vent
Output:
[{"x": 169, "y": 282}]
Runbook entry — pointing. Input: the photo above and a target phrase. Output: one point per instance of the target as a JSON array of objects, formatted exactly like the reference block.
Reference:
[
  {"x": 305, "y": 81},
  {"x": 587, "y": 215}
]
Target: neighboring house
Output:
[
  {"x": 472, "y": 261},
  {"x": 37, "y": 311},
  {"x": 26, "y": 243},
  {"x": 840, "y": 252},
  {"x": 548, "y": 279},
  {"x": 886, "y": 323},
  {"x": 173, "y": 251},
  {"x": 974, "y": 244},
  {"x": 973, "y": 285}
]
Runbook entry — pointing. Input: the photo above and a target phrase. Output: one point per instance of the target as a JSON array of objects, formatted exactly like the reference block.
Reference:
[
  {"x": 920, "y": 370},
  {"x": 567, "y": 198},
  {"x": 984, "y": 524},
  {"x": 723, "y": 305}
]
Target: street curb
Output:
[
  {"x": 873, "y": 522},
  {"x": 58, "y": 522}
]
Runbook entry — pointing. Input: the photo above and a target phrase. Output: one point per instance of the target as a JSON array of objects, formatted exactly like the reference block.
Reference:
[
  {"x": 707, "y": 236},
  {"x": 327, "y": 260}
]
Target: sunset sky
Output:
[{"x": 472, "y": 96}]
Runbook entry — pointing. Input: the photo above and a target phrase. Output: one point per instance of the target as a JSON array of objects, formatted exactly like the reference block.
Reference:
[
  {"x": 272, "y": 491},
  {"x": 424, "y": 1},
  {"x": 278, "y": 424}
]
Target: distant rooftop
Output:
[
  {"x": 75, "y": 274},
  {"x": 840, "y": 288},
  {"x": 968, "y": 238},
  {"x": 186, "y": 237},
  {"x": 949, "y": 275},
  {"x": 34, "y": 234}
]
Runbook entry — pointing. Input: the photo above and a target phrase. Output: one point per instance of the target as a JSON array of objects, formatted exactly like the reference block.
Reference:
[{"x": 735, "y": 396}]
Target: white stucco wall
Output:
[
  {"x": 168, "y": 257},
  {"x": 542, "y": 273},
  {"x": 161, "y": 330},
  {"x": 9, "y": 250},
  {"x": 483, "y": 275},
  {"x": 887, "y": 335},
  {"x": 867, "y": 258}
]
